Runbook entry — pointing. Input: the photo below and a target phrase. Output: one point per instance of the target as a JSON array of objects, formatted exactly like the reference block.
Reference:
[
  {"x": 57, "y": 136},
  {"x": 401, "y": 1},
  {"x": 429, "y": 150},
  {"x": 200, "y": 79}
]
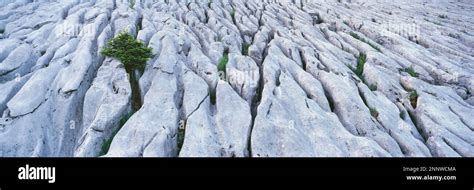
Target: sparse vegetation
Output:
[
  {"x": 106, "y": 143},
  {"x": 373, "y": 87},
  {"x": 359, "y": 71},
  {"x": 374, "y": 112},
  {"x": 245, "y": 49},
  {"x": 413, "y": 98},
  {"x": 411, "y": 71},
  {"x": 221, "y": 67},
  {"x": 443, "y": 16},
  {"x": 212, "y": 96},
  {"x": 346, "y": 23},
  {"x": 232, "y": 14},
  {"x": 356, "y": 36}
]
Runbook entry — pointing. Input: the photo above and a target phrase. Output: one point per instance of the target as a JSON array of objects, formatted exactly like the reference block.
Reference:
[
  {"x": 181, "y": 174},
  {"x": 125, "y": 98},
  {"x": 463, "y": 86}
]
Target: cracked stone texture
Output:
[{"x": 290, "y": 88}]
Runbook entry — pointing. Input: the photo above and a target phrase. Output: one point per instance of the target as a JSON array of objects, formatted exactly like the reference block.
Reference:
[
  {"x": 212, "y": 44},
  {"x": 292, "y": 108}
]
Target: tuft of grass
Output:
[
  {"x": 374, "y": 112},
  {"x": 360, "y": 65},
  {"x": 373, "y": 87},
  {"x": 411, "y": 71},
  {"x": 106, "y": 143},
  {"x": 212, "y": 96},
  {"x": 232, "y": 14},
  {"x": 443, "y": 16},
  {"x": 413, "y": 98},
  {"x": 245, "y": 49},
  {"x": 356, "y": 36},
  {"x": 221, "y": 67},
  {"x": 346, "y": 23}
]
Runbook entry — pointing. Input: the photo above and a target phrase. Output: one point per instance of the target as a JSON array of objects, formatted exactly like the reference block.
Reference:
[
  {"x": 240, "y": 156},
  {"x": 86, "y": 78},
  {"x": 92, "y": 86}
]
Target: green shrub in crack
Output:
[
  {"x": 374, "y": 112},
  {"x": 106, "y": 143},
  {"x": 221, "y": 67},
  {"x": 245, "y": 49},
  {"x": 360, "y": 65},
  {"x": 411, "y": 71},
  {"x": 213, "y": 97},
  {"x": 373, "y": 87},
  {"x": 413, "y": 98},
  {"x": 232, "y": 13}
]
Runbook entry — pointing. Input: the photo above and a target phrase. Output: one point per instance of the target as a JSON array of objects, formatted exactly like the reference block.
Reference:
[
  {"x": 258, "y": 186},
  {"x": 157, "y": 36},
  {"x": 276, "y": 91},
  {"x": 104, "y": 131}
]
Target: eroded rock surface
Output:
[{"x": 300, "y": 78}]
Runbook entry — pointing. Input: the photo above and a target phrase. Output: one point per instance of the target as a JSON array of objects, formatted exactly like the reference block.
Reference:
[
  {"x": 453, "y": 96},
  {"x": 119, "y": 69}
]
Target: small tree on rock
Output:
[
  {"x": 134, "y": 55},
  {"x": 131, "y": 52}
]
